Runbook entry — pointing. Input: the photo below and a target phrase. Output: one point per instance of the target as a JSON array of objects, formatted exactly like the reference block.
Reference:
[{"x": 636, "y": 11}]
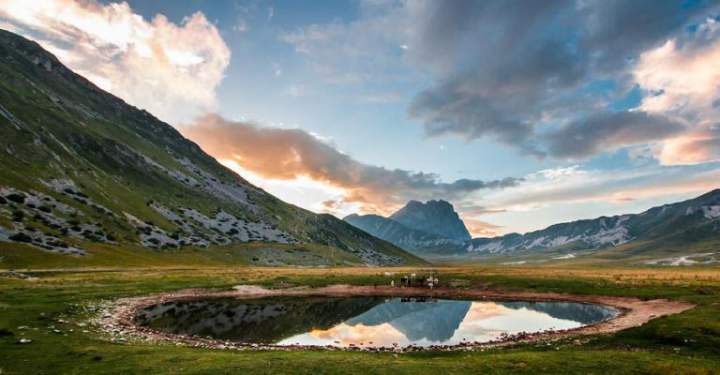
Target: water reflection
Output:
[
  {"x": 433, "y": 320},
  {"x": 261, "y": 321},
  {"x": 365, "y": 321}
]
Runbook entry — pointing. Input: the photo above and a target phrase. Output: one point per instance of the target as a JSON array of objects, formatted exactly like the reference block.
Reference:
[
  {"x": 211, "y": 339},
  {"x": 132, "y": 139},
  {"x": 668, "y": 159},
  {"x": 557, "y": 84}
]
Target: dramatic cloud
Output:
[
  {"x": 287, "y": 154},
  {"x": 615, "y": 31},
  {"x": 608, "y": 131},
  {"x": 516, "y": 71},
  {"x": 169, "y": 69},
  {"x": 503, "y": 68}
]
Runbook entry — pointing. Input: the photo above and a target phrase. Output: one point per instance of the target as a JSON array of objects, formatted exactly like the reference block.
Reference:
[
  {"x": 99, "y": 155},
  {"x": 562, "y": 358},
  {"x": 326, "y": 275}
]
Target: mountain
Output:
[
  {"x": 86, "y": 174},
  {"x": 392, "y": 231},
  {"x": 665, "y": 229},
  {"x": 436, "y": 217},
  {"x": 690, "y": 221}
]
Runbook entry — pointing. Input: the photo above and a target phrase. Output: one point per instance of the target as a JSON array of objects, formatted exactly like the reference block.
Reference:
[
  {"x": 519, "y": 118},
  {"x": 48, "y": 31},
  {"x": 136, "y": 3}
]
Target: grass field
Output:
[
  {"x": 21, "y": 256},
  {"x": 688, "y": 343}
]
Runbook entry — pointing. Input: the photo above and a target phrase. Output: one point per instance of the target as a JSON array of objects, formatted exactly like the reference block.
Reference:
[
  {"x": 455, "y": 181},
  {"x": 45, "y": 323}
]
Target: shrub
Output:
[
  {"x": 18, "y": 216},
  {"x": 20, "y": 237},
  {"x": 15, "y": 197}
]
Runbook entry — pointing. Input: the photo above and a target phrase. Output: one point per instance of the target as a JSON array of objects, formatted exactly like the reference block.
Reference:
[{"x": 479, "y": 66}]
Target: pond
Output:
[{"x": 365, "y": 321}]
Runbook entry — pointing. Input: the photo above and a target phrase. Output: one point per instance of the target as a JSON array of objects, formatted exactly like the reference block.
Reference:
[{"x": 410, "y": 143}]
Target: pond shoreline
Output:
[{"x": 117, "y": 319}]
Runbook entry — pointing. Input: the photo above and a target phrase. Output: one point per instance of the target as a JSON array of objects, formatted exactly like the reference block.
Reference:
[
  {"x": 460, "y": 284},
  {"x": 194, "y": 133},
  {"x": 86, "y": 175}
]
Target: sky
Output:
[{"x": 521, "y": 113}]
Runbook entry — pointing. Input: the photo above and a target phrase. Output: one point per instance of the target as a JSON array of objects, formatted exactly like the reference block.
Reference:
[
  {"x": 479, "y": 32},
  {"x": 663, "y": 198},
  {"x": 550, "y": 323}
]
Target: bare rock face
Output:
[
  {"x": 423, "y": 228},
  {"x": 437, "y": 217},
  {"x": 400, "y": 235}
]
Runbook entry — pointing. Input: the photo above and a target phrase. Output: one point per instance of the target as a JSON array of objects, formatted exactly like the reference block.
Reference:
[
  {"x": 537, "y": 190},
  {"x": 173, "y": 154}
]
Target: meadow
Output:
[{"x": 51, "y": 309}]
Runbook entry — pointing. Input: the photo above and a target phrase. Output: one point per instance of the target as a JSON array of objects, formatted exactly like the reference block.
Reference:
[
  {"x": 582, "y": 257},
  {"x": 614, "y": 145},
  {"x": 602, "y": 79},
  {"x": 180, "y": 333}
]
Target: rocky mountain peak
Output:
[{"x": 434, "y": 216}]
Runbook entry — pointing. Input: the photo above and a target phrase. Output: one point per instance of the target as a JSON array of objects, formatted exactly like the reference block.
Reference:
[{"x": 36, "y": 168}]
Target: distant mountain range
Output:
[
  {"x": 686, "y": 222},
  {"x": 83, "y": 172}
]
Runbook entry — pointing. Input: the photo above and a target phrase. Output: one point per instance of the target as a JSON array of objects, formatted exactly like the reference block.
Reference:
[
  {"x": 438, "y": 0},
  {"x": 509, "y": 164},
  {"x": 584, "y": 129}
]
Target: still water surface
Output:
[{"x": 365, "y": 321}]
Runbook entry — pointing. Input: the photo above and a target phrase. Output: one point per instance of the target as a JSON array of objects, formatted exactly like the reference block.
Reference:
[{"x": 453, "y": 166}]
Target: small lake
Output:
[{"x": 365, "y": 321}]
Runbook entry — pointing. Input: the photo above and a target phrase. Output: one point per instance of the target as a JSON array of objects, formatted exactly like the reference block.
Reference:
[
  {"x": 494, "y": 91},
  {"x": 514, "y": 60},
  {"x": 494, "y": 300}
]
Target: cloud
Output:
[
  {"x": 277, "y": 69},
  {"x": 608, "y": 131},
  {"x": 287, "y": 154},
  {"x": 470, "y": 209},
  {"x": 362, "y": 51},
  {"x": 297, "y": 91},
  {"x": 381, "y": 97},
  {"x": 503, "y": 68},
  {"x": 617, "y": 31},
  {"x": 172, "y": 70},
  {"x": 479, "y": 228},
  {"x": 682, "y": 78},
  {"x": 692, "y": 148},
  {"x": 330, "y": 204},
  {"x": 241, "y": 26},
  {"x": 575, "y": 185},
  {"x": 515, "y": 71}
]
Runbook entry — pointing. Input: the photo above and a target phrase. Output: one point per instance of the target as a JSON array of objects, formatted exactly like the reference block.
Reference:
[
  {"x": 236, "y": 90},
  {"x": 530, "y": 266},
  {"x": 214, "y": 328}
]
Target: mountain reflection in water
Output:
[
  {"x": 364, "y": 321},
  {"x": 434, "y": 320}
]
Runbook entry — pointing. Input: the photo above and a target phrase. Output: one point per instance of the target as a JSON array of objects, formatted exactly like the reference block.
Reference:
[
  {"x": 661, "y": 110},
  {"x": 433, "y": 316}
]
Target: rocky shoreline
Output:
[{"x": 116, "y": 318}]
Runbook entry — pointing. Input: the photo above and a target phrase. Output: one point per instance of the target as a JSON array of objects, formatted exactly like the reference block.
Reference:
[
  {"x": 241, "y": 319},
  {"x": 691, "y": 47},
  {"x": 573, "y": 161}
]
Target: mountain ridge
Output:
[{"x": 610, "y": 231}]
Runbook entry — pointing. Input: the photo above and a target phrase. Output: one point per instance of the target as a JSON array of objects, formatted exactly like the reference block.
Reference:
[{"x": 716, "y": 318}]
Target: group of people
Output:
[{"x": 413, "y": 281}]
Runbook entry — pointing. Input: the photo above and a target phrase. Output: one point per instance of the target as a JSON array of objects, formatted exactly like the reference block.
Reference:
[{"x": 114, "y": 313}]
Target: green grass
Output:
[
  {"x": 685, "y": 343},
  {"x": 20, "y": 256}
]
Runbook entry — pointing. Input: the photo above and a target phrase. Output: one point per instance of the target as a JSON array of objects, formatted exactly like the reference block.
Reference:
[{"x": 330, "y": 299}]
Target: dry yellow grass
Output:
[{"x": 683, "y": 276}]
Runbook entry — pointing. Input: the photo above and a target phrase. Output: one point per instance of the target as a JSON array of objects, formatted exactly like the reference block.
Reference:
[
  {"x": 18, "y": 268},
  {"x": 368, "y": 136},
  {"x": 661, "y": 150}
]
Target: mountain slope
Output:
[
  {"x": 417, "y": 241},
  {"x": 436, "y": 216},
  {"x": 689, "y": 221},
  {"x": 84, "y": 170}
]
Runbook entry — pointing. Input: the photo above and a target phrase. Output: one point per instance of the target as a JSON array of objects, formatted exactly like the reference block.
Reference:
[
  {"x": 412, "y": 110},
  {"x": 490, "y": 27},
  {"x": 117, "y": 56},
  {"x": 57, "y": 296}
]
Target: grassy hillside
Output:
[{"x": 85, "y": 174}]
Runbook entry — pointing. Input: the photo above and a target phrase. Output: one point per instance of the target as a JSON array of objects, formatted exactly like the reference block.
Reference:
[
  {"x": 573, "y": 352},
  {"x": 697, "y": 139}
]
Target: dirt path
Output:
[{"x": 118, "y": 321}]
